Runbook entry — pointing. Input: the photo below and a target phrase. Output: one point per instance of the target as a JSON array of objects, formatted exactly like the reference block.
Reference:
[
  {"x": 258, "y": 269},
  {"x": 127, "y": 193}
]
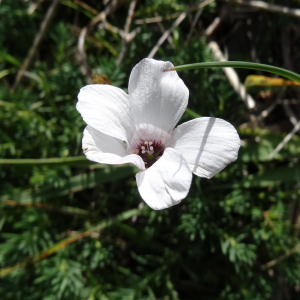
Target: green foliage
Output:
[{"x": 70, "y": 229}]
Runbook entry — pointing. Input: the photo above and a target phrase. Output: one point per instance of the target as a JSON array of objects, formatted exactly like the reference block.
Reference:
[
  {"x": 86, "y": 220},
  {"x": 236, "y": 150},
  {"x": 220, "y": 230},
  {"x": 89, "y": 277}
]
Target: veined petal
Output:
[
  {"x": 156, "y": 97},
  {"x": 105, "y": 149},
  {"x": 106, "y": 108},
  {"x": 167, "y": 182},
  {"x": 207, "y": 144}
]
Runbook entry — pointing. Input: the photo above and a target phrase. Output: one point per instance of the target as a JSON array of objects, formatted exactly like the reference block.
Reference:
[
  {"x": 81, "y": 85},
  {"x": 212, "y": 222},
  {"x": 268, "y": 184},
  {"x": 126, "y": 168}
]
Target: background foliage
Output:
[{"x": 74, "y": 230}]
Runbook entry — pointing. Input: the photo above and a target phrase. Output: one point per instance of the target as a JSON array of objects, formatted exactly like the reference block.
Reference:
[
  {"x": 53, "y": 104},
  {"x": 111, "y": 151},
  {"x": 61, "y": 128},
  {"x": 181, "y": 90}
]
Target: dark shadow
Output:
[{"x": 208, "y": 128}]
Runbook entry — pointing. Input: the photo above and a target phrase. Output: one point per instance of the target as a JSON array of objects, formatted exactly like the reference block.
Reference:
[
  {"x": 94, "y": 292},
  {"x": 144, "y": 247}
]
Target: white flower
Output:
[{"x": 138, "y": 128}]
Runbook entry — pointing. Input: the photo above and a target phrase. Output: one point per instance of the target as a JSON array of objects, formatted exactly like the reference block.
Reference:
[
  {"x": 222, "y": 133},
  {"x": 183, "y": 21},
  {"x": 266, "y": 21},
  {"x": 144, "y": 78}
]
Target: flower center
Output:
[{"x": 149, "y": 151}]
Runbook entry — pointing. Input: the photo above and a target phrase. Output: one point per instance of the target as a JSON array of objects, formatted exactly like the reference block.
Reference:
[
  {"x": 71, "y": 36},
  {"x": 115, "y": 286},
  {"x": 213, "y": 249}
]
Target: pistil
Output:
[{"x": 149, "y": 151}]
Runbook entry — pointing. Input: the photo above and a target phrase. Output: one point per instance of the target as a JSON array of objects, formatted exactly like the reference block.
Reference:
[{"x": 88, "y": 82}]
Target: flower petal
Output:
[
  {"x": 167, "y": 182},
  {"x": 156, "y": 97},
  {"x": 105, "y": 149},
  {"x": 106, "y": 108},
  {"x": 207, "y": 144}
]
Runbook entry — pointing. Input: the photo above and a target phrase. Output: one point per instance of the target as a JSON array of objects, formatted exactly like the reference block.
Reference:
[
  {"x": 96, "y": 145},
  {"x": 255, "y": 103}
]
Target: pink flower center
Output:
[{"x": 149, "y": 151}]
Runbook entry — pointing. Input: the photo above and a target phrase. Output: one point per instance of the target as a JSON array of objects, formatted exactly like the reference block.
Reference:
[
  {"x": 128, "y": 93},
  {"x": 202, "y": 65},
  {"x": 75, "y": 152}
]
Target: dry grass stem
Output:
[
  {"x": 163, "y": 30},
  {"x": 174, "y": 15},
  {"x": 125, "y": 38},
  {"x": 274, "y": 262},
  {"x": 37, "y": 41},
  {"x": 87, "y": 7},
  {"x": 285, "y": 140},
  {"x": 166, "y": 34}
]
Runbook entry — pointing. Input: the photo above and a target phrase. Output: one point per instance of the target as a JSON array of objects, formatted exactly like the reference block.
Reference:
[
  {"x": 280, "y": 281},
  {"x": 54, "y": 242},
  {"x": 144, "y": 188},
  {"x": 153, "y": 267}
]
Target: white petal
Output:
[
  {"x": 165, "y": 183},
  {"x": 106, "y": 108},
  {"x": 207, "y": 144},
  {"x": 156, "y": 97},
  {"x": 105, "y": 149}
]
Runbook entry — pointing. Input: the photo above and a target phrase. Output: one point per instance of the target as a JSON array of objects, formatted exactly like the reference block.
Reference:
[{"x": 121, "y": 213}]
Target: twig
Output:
[
  {"x": 33, "y": 6},
  {"x": 290, "y": 113},
  {"x": 285, "y": 140},
  {"x": 216, "y": 22},
  {"x": 232, "y": 77},
  {"x": 181, "y": 17},
  {"x": 173, "y": 16},
  {"x": 267, "y": 111},
  {"x": 167, "y": 33},
  {"x": 89, "y": 38},
  {"x": 163, "y": 30},
  {"x": 197, "y": 16},
  {"x": 87, "y": 7},
  {"x": 288, "y": 101},
  {"x": 293, "y": 12},
  {"x": 84, "y": 64},
  {"x": 280, "y": 258},
  {"x": 125, "y": 39},
  {"x": 36, "y": 43},
  {"x": 100, "y": 17},
  {"x": 156, "y": 19}
]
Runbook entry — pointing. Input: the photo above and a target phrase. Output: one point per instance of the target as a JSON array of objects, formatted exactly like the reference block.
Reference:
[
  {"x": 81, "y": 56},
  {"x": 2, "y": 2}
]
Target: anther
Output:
[
  {"x": 151, "y": 148},
  {"x": 143, "y": 152},
  {"x": 146, "y": 142},
  {"x": 143, "y": 148},
  {"x": 150, "y": 143}
]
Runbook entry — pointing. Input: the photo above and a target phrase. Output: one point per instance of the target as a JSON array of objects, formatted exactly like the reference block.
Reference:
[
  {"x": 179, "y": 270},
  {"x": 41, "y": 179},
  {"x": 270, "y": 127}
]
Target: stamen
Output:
[{"x": 150, "y": 151}]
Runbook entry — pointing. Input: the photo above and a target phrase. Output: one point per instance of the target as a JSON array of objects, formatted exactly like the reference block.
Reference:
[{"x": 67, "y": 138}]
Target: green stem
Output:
[
  {"x": 75, "y": 160},
  {"x": 242, "y": 65}
]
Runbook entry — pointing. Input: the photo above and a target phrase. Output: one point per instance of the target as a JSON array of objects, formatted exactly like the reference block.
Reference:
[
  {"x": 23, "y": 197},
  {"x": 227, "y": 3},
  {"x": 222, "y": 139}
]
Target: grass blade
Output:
[{"x": 241, "y": 65}]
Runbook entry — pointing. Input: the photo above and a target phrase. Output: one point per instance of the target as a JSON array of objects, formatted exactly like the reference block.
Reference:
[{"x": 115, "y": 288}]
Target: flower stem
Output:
[{"x": 242, "y": 65}]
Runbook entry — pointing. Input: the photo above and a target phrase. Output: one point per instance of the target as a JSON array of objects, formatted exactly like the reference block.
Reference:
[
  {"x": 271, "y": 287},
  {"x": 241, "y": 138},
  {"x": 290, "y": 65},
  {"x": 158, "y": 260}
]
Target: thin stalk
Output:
[
  {"x": 45, "y": 161},
  {"x": 241, "y": 65}
]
